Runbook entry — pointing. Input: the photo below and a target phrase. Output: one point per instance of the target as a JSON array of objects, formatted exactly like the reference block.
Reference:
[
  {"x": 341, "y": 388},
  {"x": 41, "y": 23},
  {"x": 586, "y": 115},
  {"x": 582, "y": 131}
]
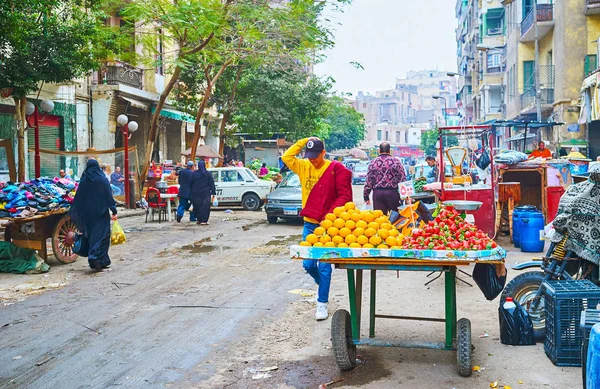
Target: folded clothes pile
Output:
[
  {"x": 510, "y": 157},
  {"x": 22, "y": 200}
]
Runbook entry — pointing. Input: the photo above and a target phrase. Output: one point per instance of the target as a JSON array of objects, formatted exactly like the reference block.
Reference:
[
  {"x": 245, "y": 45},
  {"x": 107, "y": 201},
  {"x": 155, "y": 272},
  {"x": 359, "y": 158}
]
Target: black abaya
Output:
[{"x": 201, "y": 189}]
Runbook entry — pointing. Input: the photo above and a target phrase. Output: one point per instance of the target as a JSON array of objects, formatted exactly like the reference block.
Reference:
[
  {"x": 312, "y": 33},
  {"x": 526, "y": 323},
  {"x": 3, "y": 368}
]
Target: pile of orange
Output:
[{"x": 350, "y": 227}]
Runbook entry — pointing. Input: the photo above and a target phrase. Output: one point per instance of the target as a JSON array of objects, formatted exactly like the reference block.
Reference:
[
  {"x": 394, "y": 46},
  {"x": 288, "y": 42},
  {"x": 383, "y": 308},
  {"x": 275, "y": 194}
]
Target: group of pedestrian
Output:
[{"x": 196, "y": 188}]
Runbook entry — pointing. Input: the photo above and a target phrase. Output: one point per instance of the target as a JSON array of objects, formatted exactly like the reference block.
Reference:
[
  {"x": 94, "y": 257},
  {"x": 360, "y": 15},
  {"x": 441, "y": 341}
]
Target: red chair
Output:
[
  {"x": 154, "y": 202},
  {"x": 173, "y": 190}
]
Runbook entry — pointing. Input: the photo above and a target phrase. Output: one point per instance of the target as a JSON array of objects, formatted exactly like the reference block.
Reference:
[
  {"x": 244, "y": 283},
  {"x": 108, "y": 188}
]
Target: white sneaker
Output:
[{"x": 322, "y": 313}]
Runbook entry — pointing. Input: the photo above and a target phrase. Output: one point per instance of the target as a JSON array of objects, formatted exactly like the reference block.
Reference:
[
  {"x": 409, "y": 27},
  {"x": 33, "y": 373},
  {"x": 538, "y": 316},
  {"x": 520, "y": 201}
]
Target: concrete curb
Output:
[{"x": 124, "y": 214}]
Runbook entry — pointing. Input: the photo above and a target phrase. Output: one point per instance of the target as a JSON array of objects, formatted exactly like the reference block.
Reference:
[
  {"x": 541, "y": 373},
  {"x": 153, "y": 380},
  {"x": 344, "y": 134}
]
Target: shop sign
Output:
[{"x": 573, "y": 128}]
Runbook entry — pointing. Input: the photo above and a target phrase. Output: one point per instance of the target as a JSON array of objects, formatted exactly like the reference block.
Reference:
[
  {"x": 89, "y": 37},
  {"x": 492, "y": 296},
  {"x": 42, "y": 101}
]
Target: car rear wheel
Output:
[{"x": 251, "y": 202}]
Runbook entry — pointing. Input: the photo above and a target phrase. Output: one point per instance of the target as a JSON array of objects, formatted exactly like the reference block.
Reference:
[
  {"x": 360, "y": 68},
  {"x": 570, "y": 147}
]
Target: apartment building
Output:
[{"x": 505, "y": 47}]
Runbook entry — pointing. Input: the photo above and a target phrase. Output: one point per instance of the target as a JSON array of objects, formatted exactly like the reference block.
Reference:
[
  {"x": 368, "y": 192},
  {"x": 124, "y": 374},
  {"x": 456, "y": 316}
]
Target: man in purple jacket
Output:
[{"x": 384, "y": 176}]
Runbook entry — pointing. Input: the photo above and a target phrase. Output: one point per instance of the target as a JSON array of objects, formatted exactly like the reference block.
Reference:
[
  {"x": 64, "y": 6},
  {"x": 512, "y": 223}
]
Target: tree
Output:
[
  {"x": 429, "y": 140},
  {"x": 48, "y": 41},
  {"x": 345, "y": 125}
]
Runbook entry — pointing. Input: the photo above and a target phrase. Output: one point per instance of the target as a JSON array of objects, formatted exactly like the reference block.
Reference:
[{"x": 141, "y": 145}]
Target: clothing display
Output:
[
  {"x": 510, "y": 157},
  {"x": 21, "y": 200}
]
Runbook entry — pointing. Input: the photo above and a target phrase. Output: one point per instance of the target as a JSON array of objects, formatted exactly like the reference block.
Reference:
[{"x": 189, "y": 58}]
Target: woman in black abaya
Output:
[
  {"x": 89, "y": 211},
  {"x": 202, "y": 187}
]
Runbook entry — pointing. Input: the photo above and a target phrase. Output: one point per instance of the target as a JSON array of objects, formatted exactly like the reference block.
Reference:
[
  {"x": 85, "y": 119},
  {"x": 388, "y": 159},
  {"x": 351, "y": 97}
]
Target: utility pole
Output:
[{"x": 538, "y": 102}]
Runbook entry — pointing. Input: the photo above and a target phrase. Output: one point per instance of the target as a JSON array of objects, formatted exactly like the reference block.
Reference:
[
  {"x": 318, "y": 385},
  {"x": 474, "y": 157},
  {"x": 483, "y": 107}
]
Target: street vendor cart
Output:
[
  {"x": 346, "y": 326},
  {"x": 33, "y": 232}
]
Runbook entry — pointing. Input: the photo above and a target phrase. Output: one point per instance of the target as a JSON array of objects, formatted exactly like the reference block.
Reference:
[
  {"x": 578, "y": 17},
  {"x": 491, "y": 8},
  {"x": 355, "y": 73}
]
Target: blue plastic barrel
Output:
[
  {"x": 592, "y": 375},
  {"x": 517, "y": 222},
  {"x": 532, "y": 232}
]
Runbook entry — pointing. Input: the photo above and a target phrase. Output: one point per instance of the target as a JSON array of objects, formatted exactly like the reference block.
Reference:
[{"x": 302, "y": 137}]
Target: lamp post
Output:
[
  {"x": 127, "y": 128},
  {"x": 46, "y": 106},
  {"x": 445, "y": 107}
]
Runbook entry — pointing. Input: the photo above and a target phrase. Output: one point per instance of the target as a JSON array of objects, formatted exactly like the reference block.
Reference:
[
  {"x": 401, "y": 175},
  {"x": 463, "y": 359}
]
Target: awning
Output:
[
  {"x": 520, "y": 137},
  {"x": 136, "y": 103},
  {"x": 175, "y": 115}
]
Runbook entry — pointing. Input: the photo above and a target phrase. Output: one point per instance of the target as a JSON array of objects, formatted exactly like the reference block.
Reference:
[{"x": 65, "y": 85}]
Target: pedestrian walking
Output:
[
  {"x": 89, "y": 212},
  {"x": 202, "y": 186},
  {"x": 325, "y": 186},
  {"x": 384, "y": 175},
  {"x": 185, "y": 198}
]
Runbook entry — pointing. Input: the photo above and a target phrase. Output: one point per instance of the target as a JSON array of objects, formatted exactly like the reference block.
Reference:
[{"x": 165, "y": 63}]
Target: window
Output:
[
  {"x": 378, "y": 134},
  {"x": 590, "y": 64},
  {"x": 397, "y": 136},
  {"x": 215, "y": 176},
  {"x": 232, "y": 176},
  {"x": 364, "y": 105},
  {"x": 494, "y": 22},
  {"x": 403, "y": 95},
  {"x": 387, "y": 135},
  {"x": 414, "y": 133},
  {"x": 528, "y": 75},
  {"x": 494, "y": 60}
]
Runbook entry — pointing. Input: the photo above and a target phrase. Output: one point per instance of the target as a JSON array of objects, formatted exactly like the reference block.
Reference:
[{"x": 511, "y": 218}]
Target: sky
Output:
[{"x": 389, "y": 38}]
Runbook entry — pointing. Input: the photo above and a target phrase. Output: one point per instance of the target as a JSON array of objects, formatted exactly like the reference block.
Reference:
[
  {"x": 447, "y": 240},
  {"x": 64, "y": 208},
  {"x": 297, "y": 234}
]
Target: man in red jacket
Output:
[{"x": 325, "y": 185}]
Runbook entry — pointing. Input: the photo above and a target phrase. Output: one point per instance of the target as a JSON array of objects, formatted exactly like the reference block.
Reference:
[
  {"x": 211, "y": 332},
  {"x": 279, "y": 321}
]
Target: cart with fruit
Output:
[{"x": 439, "y": 245}]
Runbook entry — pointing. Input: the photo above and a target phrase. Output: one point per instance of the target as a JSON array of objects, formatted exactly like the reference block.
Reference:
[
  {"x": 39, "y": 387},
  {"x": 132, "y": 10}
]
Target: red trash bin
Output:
[{"x": 553, "y": 195}]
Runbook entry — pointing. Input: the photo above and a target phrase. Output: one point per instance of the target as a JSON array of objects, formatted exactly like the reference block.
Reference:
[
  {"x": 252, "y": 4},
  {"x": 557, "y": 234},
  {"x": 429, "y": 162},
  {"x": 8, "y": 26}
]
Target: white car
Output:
[{"x": 238, "y": 185}]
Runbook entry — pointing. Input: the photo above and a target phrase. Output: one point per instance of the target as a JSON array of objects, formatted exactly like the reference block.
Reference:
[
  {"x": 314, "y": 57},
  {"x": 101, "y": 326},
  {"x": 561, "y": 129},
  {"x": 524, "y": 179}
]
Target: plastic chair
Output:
[
  {"x": 173, "y": 190},
  {"x": 154, "y": 202}
]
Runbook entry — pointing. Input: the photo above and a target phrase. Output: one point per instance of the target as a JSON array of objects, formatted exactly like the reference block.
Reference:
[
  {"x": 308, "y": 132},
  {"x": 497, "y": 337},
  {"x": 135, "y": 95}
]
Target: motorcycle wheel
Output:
[{"x": 523, "y": 289}]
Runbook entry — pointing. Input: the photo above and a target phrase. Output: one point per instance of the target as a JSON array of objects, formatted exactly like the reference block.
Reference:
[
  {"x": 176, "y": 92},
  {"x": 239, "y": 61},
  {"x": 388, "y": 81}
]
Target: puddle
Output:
[
  {"x": 200, "y": 247},
  {"x": 285, "y": 240}
]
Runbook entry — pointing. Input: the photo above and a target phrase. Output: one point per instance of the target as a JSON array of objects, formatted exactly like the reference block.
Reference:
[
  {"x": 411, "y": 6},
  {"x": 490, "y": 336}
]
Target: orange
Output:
[
  {"x": 355, "y": 216},
  {"x": 338, "y": 211},
  {"x": 330, "y": 244},
  {"x": 350, "y": 239},
  {"x": 345, "y": 216},
  {"x": 312, "y": 239},
  {"x": 377, "y": 213},
  {"x": 339, "y": 223},
  {"x": 349, "y": 205},
  {"x": 383, "y": 234},
  {"x": 368, "y": 216},
  {"x": 333, "y": 231},
  {"x": 344, "y": 232},
  {"x": 387, "y": 226},
  {"x": 382, "y": 220},
  {"x": 374, "y": 225},
  {"x": 318, "y": 244},
  {"x": 362, "y": 240},
  {"x": 394, "y": 232},
  {"x": 382, "y": 247},
  {"x": 326, "y": 224},
  {"x": 337, "y": 239},
  {"x": 350, "y": 224},
  {"x": 391, "y": 241},
  {"x": 375, "y": 240},
  {"x": 362, "y": 224},
  {"x": 342, "y": 245},
  {"x": 325, "y": 238},
  {"x": 359, "y": 232},
  {"x": 369, "y": 232},
  {"x": 368, "y": 246},
  {"x": 319, "y": 231},
  {"x": 330, "y": 216},
  {"x": 354, "y": 246},
  {"x": 305, "y": 244}
]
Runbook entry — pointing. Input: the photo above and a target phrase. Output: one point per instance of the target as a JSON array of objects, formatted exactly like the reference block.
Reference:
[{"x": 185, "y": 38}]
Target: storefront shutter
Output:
[{"x": 50, "y": 139}]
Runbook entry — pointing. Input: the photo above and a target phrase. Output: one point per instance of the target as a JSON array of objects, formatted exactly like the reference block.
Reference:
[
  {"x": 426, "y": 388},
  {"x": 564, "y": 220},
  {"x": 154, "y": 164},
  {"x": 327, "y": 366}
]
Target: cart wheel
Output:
[
  {"x": 63, "y": 237},
  {"x": 463, "y": 349},
  {"x": 344, "y": 348}
]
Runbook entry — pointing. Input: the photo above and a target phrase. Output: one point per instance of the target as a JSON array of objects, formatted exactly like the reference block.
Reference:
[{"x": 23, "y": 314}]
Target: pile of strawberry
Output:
[{"x": 449, "y": 231}]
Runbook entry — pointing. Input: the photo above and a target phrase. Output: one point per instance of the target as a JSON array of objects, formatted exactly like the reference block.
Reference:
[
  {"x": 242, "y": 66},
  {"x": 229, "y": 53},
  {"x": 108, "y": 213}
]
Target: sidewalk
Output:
[{"x": 123, "y": 213}]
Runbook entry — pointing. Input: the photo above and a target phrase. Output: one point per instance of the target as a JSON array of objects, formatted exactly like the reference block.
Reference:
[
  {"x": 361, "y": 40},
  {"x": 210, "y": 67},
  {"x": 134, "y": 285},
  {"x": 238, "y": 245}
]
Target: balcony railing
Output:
[
  {"x": 593, "y": 7},
  {"x": 528, "y": 98},
  {"x": 545, "y": 13},
  {"x": 114, "y": 73},
  {"x": 593, "y": 2},
  {"x": 495, "y": 69}
]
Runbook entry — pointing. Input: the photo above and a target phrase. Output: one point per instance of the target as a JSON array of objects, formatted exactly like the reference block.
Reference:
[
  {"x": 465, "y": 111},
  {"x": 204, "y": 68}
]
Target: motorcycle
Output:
[{"x": 527, "y": 288}]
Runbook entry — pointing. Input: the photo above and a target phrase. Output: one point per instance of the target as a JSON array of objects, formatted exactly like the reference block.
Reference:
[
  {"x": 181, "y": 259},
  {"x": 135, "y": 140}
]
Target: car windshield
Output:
[
  {"x": 291, "y": 181},
  {"x": 361, "y": 168},
  {"x": 251, "y": 174}
]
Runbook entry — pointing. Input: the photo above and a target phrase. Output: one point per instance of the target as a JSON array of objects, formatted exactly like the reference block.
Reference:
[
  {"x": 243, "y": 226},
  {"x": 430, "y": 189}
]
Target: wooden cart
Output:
[{"x": 32, "y": 233}]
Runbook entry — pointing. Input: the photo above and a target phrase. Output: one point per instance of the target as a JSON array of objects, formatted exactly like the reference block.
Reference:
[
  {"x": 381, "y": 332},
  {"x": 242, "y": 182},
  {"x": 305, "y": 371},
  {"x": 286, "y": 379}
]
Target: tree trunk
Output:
[
  {"x": 153, "y": 133},
  {"x": 224, "y": 121},
  {"x": 20, "y": 104}
]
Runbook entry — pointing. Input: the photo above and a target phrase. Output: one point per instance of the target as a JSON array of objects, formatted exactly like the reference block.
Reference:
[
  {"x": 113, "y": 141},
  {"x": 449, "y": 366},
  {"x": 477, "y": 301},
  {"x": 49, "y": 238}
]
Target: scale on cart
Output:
[
  {"x": 457, "y": 156},
  {"x": 465, "y": 206}
]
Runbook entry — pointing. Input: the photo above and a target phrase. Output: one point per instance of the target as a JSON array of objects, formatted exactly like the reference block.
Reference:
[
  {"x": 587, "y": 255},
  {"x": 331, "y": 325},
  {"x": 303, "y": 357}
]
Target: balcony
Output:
[
  {"x": 115, "y": 73},
  {"x": 592, "y": 7},
  {"x": 545, "y": 19},
  {"x": 528, "y": 103}
]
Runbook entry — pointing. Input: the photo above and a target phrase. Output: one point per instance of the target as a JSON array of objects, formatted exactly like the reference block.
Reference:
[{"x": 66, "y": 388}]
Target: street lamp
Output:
[
  {"x": 445, "y": 107},
  {"x": 127, "y": 129},
  {"x": 46, "y": 106}
]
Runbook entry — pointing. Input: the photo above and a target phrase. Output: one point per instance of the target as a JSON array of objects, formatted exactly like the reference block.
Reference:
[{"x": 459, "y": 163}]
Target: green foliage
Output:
[
  {"x": 50, "y": 41},
  {"x": 429, "y": 141},
  {"x": 290, "y": 103},
  {"x": 345, "y": 125}
]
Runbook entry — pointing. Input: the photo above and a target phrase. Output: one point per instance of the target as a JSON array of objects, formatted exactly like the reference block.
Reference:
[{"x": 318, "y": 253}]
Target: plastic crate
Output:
[{"x": 564, "y": 301}]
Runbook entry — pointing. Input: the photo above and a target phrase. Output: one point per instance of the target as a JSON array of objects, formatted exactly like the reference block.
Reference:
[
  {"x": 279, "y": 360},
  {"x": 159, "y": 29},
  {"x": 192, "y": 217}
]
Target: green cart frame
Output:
[{"x": 345, "y": 326}]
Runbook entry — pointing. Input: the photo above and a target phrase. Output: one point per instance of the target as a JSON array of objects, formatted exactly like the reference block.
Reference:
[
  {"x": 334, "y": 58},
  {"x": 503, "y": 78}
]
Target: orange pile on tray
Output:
[{"x": 350, "y": 227}]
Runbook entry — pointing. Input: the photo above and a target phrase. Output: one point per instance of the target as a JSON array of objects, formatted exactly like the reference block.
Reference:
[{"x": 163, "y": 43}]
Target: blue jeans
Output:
[
  {"x": 184, "y": 205},
  {"x": 320, "y": 272}
]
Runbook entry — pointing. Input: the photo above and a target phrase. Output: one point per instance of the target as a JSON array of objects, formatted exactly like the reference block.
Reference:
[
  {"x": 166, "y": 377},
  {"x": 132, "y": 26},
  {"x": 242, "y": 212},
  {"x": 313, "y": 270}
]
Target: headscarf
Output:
[
  {"x": 579, "y": 217},
  {"x": 202, "y": 167},
  {"x": 93, "y": 197}
]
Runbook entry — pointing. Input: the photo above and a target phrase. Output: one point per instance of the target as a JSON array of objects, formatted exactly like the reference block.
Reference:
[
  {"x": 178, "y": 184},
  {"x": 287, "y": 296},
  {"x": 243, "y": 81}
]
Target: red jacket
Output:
[{"x": 334, "y": 189}]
